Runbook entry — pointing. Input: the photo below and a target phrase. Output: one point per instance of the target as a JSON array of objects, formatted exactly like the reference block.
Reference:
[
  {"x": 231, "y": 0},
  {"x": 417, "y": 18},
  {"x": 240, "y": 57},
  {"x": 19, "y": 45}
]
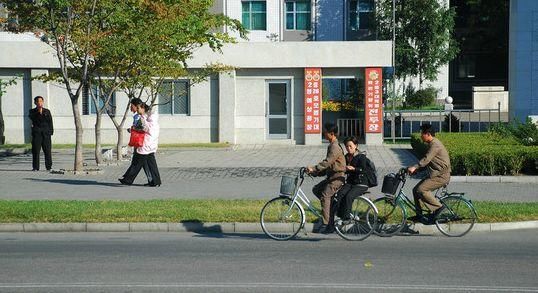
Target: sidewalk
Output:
[{"x": 246, "y": 171}]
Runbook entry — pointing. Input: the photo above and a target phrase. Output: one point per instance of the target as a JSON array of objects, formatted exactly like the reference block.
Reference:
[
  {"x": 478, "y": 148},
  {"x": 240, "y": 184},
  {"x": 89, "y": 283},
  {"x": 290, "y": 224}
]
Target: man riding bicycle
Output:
[
  {"x": 334, "y": 167},
  {"x": 437, "y": 163}
]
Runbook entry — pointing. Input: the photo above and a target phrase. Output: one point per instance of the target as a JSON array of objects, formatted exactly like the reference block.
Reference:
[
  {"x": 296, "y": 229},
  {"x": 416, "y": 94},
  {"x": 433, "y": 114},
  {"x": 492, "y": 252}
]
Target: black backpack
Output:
[{"x": 369, "y": 173}]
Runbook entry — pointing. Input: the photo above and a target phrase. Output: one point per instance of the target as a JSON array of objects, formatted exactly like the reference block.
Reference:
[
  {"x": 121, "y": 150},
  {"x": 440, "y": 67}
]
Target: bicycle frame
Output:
[{"x": 441, "y": 193}]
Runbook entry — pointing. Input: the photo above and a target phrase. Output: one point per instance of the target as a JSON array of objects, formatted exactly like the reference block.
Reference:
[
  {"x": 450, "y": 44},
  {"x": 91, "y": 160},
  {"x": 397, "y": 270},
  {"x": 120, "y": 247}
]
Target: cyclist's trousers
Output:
[{"x": 423, "y": 191}]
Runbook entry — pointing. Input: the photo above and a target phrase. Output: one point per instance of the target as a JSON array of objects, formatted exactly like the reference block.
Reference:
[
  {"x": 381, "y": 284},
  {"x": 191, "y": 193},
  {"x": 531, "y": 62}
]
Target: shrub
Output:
[
  {"x": 421, "y": 98},
  {"x": 526, "y": 133},
  {"x": 453, "y": 123},
  {"x": 484, "y": 153}
]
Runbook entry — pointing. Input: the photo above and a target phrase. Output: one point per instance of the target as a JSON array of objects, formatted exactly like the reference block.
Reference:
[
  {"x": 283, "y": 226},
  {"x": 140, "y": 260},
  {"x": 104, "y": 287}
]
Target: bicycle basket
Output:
[
  {"x": 390, "y": 184},
  {"x": 287, "y": 185}
]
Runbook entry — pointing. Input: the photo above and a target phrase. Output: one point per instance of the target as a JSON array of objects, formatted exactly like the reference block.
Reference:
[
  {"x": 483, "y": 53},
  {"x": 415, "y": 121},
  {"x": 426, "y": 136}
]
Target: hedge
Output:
[{"x": 484, "y": 153}]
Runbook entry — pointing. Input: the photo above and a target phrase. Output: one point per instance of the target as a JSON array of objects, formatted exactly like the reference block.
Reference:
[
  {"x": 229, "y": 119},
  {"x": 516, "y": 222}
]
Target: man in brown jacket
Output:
[
  {"x": 437, "y": 163},
  {"x": 334, "y": 167}
]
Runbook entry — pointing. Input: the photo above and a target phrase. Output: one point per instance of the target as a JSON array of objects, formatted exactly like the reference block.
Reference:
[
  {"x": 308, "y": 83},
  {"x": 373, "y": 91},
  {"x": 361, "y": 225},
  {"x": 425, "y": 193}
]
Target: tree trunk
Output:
[
  {"x": 2, "y": 138},
  {"x": 98, "y": 148},
  {"x": 119, "y": 143},
  {"x": 79, "y": 159}
]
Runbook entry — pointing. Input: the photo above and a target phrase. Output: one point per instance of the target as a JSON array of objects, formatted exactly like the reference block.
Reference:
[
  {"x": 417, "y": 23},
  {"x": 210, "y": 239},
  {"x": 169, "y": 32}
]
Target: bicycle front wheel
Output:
[
  {"x": 390, "y": 217},
  {"x": 360, "y": 223},
  {"x": 457, "y": 217},
  {"x": 280, "y": 219}
]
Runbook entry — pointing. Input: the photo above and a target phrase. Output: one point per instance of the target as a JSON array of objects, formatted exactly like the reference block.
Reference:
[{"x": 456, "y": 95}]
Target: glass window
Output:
[
  {"x": 361, "y": 13},
  {"x": 254, "y": 16},
  {"x": 88, "y": 104},
  {"x": 466, "y": 67},
  {"x": 174, "y": 97},
  {"x": 298, "y": 14}
]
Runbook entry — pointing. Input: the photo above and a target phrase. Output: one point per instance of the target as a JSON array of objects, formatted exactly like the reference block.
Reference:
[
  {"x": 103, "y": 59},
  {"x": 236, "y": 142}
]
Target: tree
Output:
[
  {"x": 69, "y": 26},
  {"x": 424, "y": 36},
  {"x": 137, "y": 59},
  {"x": 120, "y": 44},
  {"x": 3, "y": 85}
]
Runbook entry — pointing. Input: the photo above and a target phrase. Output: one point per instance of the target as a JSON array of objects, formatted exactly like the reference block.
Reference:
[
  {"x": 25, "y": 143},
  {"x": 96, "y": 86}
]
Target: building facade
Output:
[
  {"x": 523, "y": 68},
  {"x": 285, "y": 37}
]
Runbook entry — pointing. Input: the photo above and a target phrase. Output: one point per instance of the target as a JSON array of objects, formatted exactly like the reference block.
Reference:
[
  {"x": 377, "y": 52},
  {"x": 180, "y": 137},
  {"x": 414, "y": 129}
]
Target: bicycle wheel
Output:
[
  {"x": 457, "y": 216},
  {"x": 390, "y": 217},
  {"x": 360, "y": 223},
  {"x": 280, "y": 220}
]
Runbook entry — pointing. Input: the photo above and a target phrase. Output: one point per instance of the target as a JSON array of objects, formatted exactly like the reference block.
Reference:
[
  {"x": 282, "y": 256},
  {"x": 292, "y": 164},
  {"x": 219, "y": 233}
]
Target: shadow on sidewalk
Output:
[{"x": 76, "y": 182}]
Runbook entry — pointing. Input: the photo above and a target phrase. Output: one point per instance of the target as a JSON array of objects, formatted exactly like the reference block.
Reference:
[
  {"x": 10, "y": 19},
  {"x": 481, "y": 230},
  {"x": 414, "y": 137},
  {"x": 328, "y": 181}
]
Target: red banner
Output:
[
  {"x": 312, "y": 100},
  {"x": 373, "y": 102}
]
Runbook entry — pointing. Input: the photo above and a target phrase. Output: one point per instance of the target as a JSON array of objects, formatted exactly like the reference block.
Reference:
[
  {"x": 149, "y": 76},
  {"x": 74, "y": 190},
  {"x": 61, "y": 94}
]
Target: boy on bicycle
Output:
[
  {"x": 334, "y": 167},
  {"x": 437, "y": 163}
]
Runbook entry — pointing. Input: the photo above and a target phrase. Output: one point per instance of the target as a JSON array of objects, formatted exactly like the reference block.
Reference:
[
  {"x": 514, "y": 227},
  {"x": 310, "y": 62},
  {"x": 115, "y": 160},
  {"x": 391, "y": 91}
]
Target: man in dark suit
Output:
[{"x": 42, "y": 129}]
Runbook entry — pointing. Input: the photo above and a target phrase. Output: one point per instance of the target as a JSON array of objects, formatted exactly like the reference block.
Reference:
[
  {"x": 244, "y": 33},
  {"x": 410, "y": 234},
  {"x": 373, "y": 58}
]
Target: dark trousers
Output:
[
  {"x": 138, "y": 162},
  {"x": 41, "y": 140},
  {"x": 343, "y": 200},
  {"x": 145, "y": 167}
]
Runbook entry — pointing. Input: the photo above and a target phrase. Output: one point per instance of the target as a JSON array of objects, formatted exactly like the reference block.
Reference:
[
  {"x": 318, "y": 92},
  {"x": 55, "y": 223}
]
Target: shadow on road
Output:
[{"x": 77, "y": 182}]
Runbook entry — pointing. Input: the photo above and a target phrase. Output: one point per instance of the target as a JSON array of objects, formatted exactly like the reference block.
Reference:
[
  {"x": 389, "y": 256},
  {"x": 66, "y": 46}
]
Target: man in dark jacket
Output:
[{"x": 42, "y": 129}]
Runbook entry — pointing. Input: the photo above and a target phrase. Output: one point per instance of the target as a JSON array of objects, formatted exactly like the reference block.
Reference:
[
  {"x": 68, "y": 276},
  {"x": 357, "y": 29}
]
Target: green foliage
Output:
[
  {"x": 526, "y": 133},
  {"x": 483, "y": 153},
  {"x": 424, "y": 36},
  {"x": 452, "y": 122},
  {"x": 421, "y": 98}
]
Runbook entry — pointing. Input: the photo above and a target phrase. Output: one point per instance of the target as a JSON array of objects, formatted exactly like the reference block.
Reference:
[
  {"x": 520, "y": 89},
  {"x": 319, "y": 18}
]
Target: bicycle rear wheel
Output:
[
  {"x": 457, "y": 217},
  {"x": 361, "y": 221},
  {"x": 280, "y": 219},
  {"x": 390, "y": 217}
]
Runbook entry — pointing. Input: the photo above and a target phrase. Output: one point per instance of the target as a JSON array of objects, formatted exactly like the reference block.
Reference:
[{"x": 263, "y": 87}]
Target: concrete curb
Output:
[
  {"x": 495, "y": 179},
  {"x": 198, "y": 227}
]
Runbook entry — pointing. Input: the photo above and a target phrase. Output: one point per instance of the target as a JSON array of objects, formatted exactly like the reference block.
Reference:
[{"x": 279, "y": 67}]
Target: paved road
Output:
[
  {"x": 214, "y": 173},
  {"x": 166, "y": 262}
]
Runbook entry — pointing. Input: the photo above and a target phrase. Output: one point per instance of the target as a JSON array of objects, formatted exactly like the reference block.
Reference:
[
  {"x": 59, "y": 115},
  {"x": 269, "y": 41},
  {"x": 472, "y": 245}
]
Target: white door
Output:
[{"x": 277, "y": 109}]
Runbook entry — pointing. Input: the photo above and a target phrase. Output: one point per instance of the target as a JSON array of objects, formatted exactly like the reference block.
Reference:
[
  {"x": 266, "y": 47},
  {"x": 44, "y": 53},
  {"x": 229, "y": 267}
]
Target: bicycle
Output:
[
  {"x": 283, "y": 217},
  {"x": 456, "y": 218}
]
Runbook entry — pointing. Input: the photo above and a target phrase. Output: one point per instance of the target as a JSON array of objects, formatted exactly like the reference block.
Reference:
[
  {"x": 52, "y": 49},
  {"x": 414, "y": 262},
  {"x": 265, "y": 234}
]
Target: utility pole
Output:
[{"x": 393, "y": 120}]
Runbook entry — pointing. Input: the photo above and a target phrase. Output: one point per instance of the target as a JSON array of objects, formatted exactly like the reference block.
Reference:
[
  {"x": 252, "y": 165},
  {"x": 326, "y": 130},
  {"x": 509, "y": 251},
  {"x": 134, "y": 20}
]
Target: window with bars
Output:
[
  {"x": 88, "y": 105},
  {"x": 254, "y": 16},
  {"x": 361, "y": 13},
  {"x": 298, "y": 15},
  {"x": 174, "y": 97}
]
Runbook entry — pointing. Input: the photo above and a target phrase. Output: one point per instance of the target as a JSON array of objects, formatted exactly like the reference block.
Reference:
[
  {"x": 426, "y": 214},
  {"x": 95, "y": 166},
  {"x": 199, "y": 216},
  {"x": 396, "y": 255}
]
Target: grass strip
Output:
[{"x": 107, "y": 211}]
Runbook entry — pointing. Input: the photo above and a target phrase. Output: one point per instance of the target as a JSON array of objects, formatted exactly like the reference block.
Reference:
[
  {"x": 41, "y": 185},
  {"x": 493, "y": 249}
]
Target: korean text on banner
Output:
[
  {"x": 373, "y": 103},
  {"x": 312, "y": 100}
]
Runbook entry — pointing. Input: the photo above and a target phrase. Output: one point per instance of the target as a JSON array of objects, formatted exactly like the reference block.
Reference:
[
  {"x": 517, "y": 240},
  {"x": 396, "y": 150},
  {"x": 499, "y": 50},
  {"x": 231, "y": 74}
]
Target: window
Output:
[
  {"x": 174, "y": 97},
  {"x": 88, "y": 105},
  {"x": 361, "y": 13},
  {"x": 466, "y": 66},
  {"x": 298, "y": 15},
  {"x": 254, "y": 15}
]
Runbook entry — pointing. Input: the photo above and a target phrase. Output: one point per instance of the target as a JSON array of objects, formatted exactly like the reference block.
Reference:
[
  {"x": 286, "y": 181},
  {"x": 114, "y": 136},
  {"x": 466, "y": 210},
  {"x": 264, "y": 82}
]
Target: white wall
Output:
[{"x": 274, "y": 10}]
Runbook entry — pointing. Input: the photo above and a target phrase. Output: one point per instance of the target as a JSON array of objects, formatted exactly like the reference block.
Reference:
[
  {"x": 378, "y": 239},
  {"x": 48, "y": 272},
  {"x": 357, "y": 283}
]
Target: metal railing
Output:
[
  {"x": 466, "y": 120},
  {"x": 351, "y": 127}
]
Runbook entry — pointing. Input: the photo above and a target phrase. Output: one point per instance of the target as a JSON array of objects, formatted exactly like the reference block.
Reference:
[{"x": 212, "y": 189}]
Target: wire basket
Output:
[{"x": 287, "y": 185}]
